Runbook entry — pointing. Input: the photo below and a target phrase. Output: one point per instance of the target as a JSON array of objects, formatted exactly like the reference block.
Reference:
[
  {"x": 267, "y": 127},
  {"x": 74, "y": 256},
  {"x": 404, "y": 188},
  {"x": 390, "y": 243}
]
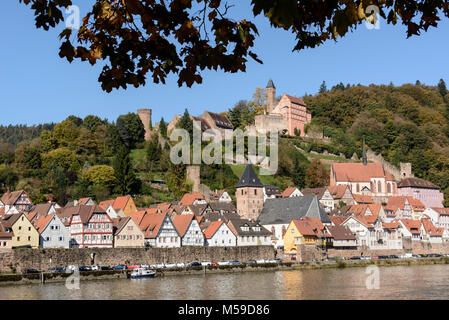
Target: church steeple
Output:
[{"x": 365, "y": 160}]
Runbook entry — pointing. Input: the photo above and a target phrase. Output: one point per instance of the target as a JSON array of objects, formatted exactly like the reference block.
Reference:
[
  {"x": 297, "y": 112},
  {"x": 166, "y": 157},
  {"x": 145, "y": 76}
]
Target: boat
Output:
[{"x": 142, "y": 273}]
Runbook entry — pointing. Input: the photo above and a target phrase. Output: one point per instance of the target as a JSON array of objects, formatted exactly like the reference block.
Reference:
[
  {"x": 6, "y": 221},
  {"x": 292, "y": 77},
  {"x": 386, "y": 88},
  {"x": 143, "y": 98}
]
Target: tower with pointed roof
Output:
[
  {"x": 270, "y": 92},
  {"x": 249, "y": 194}
]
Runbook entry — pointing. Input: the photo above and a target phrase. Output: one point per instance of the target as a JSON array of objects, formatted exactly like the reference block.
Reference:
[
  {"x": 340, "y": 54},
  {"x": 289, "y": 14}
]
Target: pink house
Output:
[
  {"x": 423, "y": 190},
  {"x": 295, "y": 112}
]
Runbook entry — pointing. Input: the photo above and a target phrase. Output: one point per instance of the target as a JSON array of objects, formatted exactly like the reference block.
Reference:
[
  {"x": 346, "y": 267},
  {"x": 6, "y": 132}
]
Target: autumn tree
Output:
[
  {"x": 139, "y": 39},
  {"x": 316, "y": 175},
  {"x": 100, "y": 175}
]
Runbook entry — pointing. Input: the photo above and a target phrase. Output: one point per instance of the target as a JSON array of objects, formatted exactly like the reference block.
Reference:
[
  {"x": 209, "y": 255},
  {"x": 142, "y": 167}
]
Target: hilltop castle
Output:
[{"x": 288, "y": 114}]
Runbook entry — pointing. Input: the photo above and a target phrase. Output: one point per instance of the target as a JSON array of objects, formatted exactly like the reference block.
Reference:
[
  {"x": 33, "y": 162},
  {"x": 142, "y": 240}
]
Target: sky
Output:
[{"x": 37, "y": 86}]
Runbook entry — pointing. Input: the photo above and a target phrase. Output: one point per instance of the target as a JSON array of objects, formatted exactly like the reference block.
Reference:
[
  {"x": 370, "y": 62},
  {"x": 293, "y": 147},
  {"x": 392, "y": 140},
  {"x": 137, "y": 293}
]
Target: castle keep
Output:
[{"x": 145, "y": 117}]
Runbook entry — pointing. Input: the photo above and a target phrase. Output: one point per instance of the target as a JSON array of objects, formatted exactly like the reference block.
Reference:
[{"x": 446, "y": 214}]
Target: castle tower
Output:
[
  {"x": 406, "y": 170},
  {"x": 249, "y": 194},
  {"x": 270, "y": 92},
  {"x": 145, "y": 117},
  {"x": 194, "y": 176}
]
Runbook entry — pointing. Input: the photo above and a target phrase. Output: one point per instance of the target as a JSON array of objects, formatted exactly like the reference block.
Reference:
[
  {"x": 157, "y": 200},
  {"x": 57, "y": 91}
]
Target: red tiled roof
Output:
[
  {"x": 430, "y": 229},
  {"x": 182, "y": 223},
  {"x": 309, "y": 226},
  {"x": 189, "y": 198},
  {"x": 362, "y": 199},
  {"x": 412, "y": 224},
  {"x": 83, "y": 201},
  {"x": 105, "y": 204},
  {"x": 212, "y": 228},
  {"x": 296, "y": 100},
  {"x": 338, "y": 192},
  {"x": 337, "y": 220},
  {"x": 358, "y": 172},
  {"x": 120, "y": 202},
  {"x": 399, "y": 202},
  {"x": 287, "y": 192},
  {"x": 151, "y": 223},
  {"x": 42, "y": 222},
  {"x": 390, "y": 225}
]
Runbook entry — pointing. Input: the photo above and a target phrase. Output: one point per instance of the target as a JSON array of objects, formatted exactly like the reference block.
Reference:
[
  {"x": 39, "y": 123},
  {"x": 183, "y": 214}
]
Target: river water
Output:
[{"x": 400, "y": 282}]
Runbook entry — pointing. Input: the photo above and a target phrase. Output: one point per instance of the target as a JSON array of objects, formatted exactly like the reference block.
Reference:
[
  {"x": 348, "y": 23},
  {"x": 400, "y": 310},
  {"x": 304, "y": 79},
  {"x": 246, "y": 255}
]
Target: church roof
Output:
[
  {"x": 249, "y": 178},
  {"x": 270, "y": 84}
]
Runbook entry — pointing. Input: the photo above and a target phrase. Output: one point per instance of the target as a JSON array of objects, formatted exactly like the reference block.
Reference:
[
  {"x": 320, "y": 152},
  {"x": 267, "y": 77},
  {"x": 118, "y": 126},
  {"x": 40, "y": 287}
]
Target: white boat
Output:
[{"x": 142, "y": 273}]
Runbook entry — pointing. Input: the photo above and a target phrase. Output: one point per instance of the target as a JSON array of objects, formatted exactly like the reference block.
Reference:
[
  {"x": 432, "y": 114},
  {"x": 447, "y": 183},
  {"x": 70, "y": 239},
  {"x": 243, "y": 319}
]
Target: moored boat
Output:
[{"x": 142, "y": 273}]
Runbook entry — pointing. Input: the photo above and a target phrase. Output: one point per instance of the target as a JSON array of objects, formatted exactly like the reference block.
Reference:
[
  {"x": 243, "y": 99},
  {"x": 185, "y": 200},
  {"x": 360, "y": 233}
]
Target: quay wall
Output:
[{"x": 43, "y": 259}]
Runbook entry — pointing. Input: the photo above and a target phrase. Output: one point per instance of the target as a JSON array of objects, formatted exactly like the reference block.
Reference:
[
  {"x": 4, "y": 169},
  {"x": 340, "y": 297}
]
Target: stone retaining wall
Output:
[{"x": 42, "y": 259}]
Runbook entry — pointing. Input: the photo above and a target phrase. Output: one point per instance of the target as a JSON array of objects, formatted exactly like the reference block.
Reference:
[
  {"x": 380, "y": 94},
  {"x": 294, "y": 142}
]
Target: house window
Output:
[
  {"x": 29, "y": 238},
  {"x": 47, "y": 238},
  {"x": 379, "y": 187},
  {"x": 61, "y": 238}
]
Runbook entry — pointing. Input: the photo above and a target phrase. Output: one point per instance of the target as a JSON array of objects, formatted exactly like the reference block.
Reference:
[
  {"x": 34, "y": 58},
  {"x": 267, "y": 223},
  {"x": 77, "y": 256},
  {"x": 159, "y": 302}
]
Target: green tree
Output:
[
  {"x": 442, "y": 89},
  {"x": 242, "y": 114},
  {"x": 126, "y": 181},
  {"x": 154, "y": 152},
  {"x": 323, "y": 87},
  {"x": 100, "y": 175},
  {"x": 8, "y": 177},
  {"x": 63, "y": 158},
  {"x": 186, "y": 123},
  {"x": 92, "y": 122},
  {"x": 77, "y": 121},
  {"x": 130, "y": 129},
  {"x": 163, "y": 128},
  {"x": 66, "y": 133}
]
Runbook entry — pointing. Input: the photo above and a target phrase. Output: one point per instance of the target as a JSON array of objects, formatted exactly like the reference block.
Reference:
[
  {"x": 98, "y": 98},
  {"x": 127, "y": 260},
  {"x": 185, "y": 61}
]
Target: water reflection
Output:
[{"x": 414, "y": 282}]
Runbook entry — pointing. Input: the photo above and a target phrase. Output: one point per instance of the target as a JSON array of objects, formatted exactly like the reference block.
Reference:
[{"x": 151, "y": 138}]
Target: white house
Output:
[
  {"x": 249, "y": 233},
  {"x": 189, "y": 230},
  {"x": 52, "y": 231},
  {"x": 291, "y": 192},
  {"x": 159, "y": 230},
  {"x": 218, "y": 234}
]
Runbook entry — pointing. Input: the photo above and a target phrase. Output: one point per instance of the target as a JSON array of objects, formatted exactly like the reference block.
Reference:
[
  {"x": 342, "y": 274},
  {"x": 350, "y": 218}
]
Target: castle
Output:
[
  {"x": 145, "y": 117},
  {"x": 287, "y": 116}
]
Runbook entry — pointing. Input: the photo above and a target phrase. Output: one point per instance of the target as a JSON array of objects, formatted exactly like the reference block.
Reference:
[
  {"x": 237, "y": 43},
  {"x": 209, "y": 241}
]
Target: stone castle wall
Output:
[
  {"x": 145, "y": 117},
  {"x": 43, "y": 259}
]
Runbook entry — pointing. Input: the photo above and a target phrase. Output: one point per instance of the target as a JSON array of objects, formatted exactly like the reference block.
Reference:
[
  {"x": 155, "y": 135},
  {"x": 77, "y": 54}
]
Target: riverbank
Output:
[{"x": 9, "y": 279}]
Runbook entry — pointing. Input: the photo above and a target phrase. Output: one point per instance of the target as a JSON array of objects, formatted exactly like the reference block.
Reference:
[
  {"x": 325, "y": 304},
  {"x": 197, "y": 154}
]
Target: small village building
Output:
[
  {"x": 431, "y": 233},
  {"x": 193, "y": 198},
  {"x": 25, "y": 234},
  {"x": 189, "y": 230},
  {"x": 107, "y": 206},
  {"x": 303, "y": 231},
  {"x": 84, "y": 202},
  {"x": 91, "y": 227},
  {"x": 409, "y": 208},
  {"x": 362, "y": 199},
  {"x": 159, "y": 230},
  {"x": 342, "y": 195},
  {"x": 6, "y": 237},
  {"x": 425, "y": 191},
  {"x": 15, "y": 202},
  {"x": 323, "y": 195},
  {"x": 410, "y": 229},
  {"x": 341, "y": 238},
  {"x": 291, "y": 192},
  {"x": 53, "y": 233},
  {"x": 249, "y": 233},
  {"x": 271, "y": 192},
  {"x": 127, "y": 234},
  {"x": 221, "y": 196},
  {"x": 218, "y": 234},
  {"x": 438, "y": 216}
]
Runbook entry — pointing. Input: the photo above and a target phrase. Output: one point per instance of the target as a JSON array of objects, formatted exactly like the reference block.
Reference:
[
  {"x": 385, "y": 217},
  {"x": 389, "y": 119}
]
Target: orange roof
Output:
[
  {"x": 296, "y": 100},
  {"x": 358, "y": 172},
  {"x": 412, "y": 224},
  {"x": 287, "y": 192},
  {"x": 83, "y": 201},
  {"x": 338, "y": 192},
  {"x": 105, "y": 204},
  {"x": 151, "y": 223},
  {"x": 120, "y": 202},
  {"x": 212, "y": 228},
  {"x": 337, "y": 220},
  {"x": 399, "y": 201},
  {"x": 42, "y": 222},
  {"x": 390, "y": 225},
  {"x": 430, "y": 229},
  {"x": 182, "y": 223},
  {"x": 308, "y": 226},
  {"x": 137, "y": 216},
  {"x": 362, "y": 199},
  {"x": 189, "y": 198}
]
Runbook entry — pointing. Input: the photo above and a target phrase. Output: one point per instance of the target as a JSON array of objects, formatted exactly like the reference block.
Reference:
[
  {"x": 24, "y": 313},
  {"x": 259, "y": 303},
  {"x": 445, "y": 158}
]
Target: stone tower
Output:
[
  {"x": 270, "y": 92},
  {"x": 406, "y": 170},
  {"x": 145, "y": 117},
  {"x": 249, "y": 194}
]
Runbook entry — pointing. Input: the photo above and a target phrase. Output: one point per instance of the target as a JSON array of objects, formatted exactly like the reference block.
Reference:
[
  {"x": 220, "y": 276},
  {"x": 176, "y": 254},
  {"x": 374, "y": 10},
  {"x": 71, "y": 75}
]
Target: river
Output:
[{"x": 399, "y": 282}]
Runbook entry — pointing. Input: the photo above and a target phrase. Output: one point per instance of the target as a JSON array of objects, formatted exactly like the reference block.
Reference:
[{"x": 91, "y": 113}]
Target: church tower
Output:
[
  {"x": 270, "y": 92},
  {"x": 249, "y": 194}
]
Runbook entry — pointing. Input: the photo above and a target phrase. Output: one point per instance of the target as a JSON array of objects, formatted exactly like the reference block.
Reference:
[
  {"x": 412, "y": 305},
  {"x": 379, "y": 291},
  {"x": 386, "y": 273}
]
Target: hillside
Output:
[{"x": 408, "y": 123}]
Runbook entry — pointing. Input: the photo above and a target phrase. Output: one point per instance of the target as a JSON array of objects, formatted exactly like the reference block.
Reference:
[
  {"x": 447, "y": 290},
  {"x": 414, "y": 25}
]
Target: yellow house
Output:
[
  {"x": 127, "y": 234},
  {"x": 302, "y": 231},
  {"x": 125, "y": 203},
  {"x": 25, "y": 234}
]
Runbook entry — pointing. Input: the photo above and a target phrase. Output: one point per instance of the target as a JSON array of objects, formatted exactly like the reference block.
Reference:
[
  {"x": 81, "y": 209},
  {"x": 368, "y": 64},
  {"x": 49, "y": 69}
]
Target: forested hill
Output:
[{"x": 408, "y": 123}]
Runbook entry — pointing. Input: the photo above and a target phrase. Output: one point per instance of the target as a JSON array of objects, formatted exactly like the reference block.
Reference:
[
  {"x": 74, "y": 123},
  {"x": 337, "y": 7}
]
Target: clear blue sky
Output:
[{"x": 37, "y": 86}]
